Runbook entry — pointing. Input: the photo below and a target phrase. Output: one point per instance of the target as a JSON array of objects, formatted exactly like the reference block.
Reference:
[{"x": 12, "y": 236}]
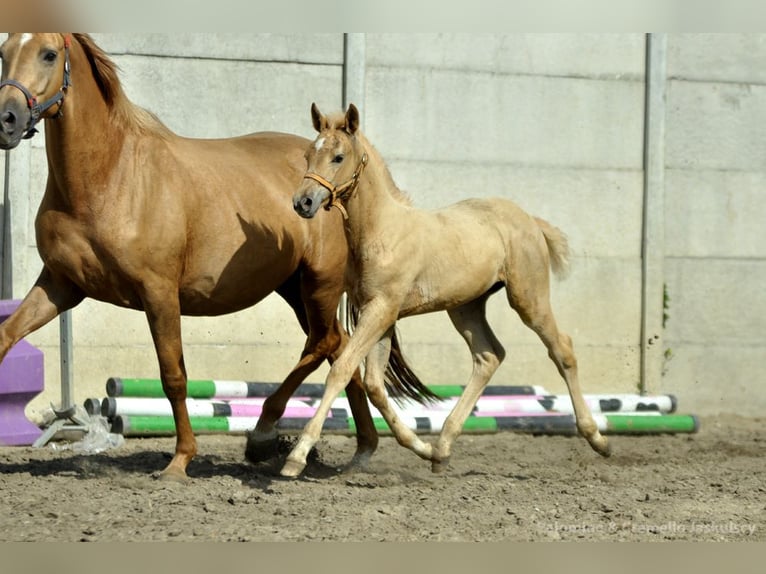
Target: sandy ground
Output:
[{"x": 706, "y": 486}]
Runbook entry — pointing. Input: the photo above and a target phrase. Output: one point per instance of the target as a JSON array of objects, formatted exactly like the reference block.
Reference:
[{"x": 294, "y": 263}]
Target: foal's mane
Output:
[
  {"x": 105, "y": 74},
  {"x": 375, "y": 162}
]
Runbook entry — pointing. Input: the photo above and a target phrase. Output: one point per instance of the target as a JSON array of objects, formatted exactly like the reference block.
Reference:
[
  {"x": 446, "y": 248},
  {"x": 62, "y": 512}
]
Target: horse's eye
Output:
[
  {"x": 338, "y": 158},
  {"x": 50, "y": 56}
]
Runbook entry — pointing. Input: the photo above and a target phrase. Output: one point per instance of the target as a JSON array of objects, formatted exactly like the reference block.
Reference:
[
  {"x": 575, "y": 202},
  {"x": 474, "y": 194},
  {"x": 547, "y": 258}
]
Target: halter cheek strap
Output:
[
  {"x": 37, "y": 109},
  {"x": 339, "y": 193}
]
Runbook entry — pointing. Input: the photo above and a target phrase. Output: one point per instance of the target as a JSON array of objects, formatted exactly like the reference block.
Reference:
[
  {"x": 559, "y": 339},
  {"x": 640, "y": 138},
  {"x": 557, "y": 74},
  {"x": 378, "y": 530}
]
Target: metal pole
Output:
[
  {"x": 7, "y": 277},
  {"x": 65, "y": 347},
  {"x": 653, "y": 232}
]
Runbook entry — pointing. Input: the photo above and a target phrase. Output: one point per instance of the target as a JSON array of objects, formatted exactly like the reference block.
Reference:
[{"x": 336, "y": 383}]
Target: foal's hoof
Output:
[
  {"x": 261, "y": 447},
  {"x": 440, "y": 466},
  {"x": 604, "y": 449},
  {"x": 602, "y": 446},
  {"x": 292, "y": 469}
]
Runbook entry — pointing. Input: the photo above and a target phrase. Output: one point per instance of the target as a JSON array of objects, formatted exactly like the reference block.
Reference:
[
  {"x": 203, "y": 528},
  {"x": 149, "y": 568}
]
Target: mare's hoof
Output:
[
  {"x": 358, "y": 463},
  {"x": 261, "y": 447},
  {"x": 173, "y": 474},
  {"x": 292, "y": 469}
]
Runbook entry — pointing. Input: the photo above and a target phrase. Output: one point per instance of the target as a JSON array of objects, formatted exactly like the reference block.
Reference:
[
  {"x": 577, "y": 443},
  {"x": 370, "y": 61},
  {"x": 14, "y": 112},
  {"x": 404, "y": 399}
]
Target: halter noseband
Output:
[
  {"x": 36, "y": 109},
  {"x": 340, "y": 192}
]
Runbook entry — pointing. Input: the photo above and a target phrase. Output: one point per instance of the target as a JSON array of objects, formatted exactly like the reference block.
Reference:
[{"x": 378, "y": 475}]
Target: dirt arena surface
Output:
[{"x": 501, "y": 487}]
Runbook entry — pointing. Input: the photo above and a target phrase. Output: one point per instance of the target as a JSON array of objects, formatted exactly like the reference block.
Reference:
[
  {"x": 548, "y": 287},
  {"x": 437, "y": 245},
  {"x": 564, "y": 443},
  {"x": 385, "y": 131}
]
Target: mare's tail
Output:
[
  {"x": 400, "y": 380},
  {"x": 558, "y": 247}
]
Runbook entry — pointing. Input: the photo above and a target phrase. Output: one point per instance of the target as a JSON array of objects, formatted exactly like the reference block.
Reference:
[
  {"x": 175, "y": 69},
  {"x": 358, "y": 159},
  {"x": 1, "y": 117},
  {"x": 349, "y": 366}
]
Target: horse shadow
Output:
[
  {"x": 239, "y": 273},
  {"x": 143, "y": 466}
]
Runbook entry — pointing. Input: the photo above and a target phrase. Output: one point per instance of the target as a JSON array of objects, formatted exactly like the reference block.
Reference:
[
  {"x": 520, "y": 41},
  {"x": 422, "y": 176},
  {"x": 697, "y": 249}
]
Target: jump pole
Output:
[
  {"x": 114, "y": 406},
  {"x": 250, "y": 406},
  {"x": 213, "y": 388},
  {"x": 617, "y": 403},
  {"x": 129, "y": 425}
]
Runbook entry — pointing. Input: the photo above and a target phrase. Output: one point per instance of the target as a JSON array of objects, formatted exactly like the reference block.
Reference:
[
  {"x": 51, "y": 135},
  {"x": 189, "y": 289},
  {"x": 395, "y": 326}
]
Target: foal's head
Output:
[
  {"x": 34, "y": 82},
  {"x": 335, "y": 161}
]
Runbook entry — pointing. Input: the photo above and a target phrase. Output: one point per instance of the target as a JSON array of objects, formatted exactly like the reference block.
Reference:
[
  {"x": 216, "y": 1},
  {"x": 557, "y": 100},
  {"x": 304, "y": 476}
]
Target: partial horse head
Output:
[
  {"x": 34, "y": 83},
  {"x": 335, "y": 161}
]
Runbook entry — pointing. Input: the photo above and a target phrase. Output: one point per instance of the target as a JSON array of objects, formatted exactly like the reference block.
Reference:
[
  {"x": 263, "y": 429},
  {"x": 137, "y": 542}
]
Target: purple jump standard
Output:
[{"x": 21, "y": 380}]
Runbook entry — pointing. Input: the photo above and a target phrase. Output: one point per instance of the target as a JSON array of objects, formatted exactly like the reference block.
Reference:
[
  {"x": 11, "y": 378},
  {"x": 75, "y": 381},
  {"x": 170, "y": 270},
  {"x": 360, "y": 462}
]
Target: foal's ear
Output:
[
  {"x": 317, "y": 118},
  {"x": 352, "y": 119}
]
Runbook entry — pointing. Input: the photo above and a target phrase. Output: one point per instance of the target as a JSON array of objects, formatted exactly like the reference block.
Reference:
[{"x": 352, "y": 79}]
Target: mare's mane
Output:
[
  {"x": 376, "y": 162},
  {"x": 105, "y": 74}
]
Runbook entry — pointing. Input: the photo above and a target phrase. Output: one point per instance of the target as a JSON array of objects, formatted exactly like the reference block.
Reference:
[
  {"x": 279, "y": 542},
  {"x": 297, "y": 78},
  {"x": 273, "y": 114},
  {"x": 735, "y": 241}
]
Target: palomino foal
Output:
[{"x": 406, "y": 261}]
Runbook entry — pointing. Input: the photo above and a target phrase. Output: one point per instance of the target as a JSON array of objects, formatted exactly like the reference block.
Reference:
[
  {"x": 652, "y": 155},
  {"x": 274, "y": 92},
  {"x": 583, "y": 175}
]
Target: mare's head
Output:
[
  {"x": 335, "y": 161},
  {"x": 34, "y": 82}
]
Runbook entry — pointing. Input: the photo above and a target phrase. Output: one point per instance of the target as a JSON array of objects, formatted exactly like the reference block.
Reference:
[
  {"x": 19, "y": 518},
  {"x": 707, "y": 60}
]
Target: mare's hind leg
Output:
[
  {"x": 262, "y": 442},
  {"x": 315, "y": 305},
  {"x": 533, "y": 306},
  {"x": 487, "y": 352},
  {"x": 374, "y": 321}
]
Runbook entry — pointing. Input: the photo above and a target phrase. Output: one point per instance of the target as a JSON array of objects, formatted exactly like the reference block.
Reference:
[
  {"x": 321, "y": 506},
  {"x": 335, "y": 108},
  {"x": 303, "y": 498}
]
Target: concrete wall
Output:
[
  {"x": 715, "y": 209},
  {"x": 465, "y": 115},
  {"x": 555, "y": 122}
]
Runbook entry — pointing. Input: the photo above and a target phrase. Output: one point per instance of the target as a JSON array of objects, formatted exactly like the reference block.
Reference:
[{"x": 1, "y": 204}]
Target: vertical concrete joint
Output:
[{"x": 653, "y": 225}]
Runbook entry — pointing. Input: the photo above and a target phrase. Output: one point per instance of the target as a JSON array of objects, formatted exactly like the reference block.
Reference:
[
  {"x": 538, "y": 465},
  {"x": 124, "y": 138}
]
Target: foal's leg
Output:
[
  {"x": 471, "y": 322},
  {"x": 535, "y": 311},
  {"x": 372, "y": 325},
  {"x": 376, "y": 391}
]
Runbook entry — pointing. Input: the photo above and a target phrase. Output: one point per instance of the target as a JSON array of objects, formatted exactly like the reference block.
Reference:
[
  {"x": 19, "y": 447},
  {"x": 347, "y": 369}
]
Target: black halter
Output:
[{"x": 37, "y": 109}]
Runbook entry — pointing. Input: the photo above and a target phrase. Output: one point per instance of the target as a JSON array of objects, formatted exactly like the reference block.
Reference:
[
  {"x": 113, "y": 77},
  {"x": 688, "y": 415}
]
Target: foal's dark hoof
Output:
[{"x": 261, "y": 448}]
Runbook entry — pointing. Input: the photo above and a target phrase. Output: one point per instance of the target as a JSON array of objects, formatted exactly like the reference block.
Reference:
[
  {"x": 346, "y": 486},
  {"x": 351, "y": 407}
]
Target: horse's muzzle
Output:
[
  {"x": 306, "y": 204},
  {"x": 14, "y": 120}
]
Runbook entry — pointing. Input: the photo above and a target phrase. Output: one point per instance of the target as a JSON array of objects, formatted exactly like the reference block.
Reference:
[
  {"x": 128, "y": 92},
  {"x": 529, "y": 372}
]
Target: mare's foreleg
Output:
[
  {"x": 50, "y": 296},
  {"x": 163, "y": 312},
  {"x": 487, "y": 353}
]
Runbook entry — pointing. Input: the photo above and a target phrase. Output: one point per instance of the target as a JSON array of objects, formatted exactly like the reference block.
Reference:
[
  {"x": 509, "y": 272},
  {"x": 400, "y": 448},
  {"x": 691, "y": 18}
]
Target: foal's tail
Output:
[
  {"x": 558, "y": 247},
  {"x": 400, "y": 380}
]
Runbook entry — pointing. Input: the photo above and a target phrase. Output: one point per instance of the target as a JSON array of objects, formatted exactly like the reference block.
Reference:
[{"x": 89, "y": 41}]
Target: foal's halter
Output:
[
  {"x": 36, "y": 109},
  {"x": 340, "y": 192}
]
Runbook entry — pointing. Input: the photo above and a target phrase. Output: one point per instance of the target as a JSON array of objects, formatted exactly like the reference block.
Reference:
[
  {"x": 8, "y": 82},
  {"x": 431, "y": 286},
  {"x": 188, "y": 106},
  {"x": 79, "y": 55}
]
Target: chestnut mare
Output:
[
  {"x": 136, "y": 216},
  {"x": 408, "y": 261}
]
